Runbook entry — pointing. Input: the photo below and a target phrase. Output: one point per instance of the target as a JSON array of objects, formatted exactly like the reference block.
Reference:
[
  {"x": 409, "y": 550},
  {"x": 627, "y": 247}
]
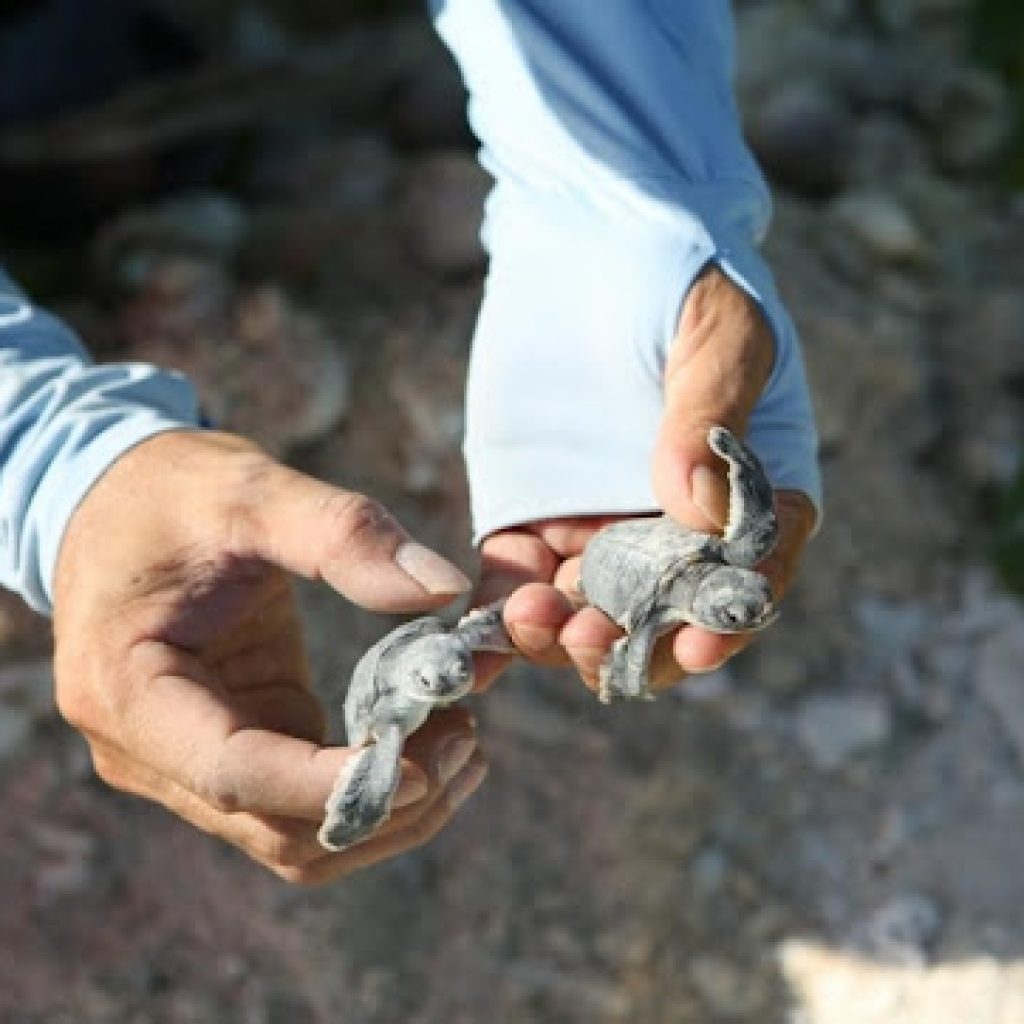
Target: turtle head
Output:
[
  {"x": 733, "y": 600},
  {"x": 438, "y": 669}
]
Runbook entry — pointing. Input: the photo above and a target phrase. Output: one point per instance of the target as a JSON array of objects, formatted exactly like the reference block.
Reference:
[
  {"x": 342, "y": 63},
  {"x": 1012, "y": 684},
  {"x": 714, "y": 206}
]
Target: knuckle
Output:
[
  {"x": 105, "y": 769},
  {"x": 423, "y": 830},
  {"x": 74, "y": 702},
  {"x": 219, "y": 792},
  {"x": 73, "y": 705},
  {"x": 354, "y": 519},
  {"x": 286, "y": 852}
]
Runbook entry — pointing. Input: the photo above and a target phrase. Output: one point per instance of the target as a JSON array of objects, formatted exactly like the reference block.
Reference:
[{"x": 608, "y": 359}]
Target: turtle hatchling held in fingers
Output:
[
  {"x": 651, "y": 575},
  {"x": 418, "y": 666}
]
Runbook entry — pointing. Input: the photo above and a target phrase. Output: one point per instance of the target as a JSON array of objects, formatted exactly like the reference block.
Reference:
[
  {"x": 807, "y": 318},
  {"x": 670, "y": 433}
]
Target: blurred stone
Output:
[
  {"x": 28, "y": 685},
  {"x": 971, "y": 116},
  {"x": 427, "y": 391},
  {"x": 66, "y": 859},
  {"x": 16, "y": 726},
  {"x": 881, "y": 224},
  {"x": 23, "y": 632},
  {"x": 885, "y": 148},
  {"x": 208, "y": 225},
  {"x": 801, "y": 133},
  {"x": 427, "y": 109},
  {"x": 354, "y": 173},
  {"x": 442, "y": 210},
  {"x": 262, "y": 366},
  {"x": 834, "y": 729},
  {"x": 901, "y": 931},
  {"x": 891, "y": 629},
  {"x": 998, "y": 680},
  {"x": 726, "y": 989}
]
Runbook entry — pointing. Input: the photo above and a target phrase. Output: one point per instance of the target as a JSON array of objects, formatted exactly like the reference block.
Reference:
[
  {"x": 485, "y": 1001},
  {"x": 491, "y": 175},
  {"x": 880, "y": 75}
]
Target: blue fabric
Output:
[
  {"x": 620, "y": 172},
  {"x": 63, "y": 420}
]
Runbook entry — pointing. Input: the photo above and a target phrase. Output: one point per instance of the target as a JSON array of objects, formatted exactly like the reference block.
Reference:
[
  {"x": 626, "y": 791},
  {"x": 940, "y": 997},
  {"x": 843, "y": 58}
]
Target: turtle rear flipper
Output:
[
  {"x": 361, "y": 799},
  {"x": 752, "y": 529},
  {"x": 483, "y": 629}
]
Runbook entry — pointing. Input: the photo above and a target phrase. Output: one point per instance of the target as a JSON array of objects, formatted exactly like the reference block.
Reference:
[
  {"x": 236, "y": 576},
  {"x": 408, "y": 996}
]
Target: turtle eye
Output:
[
  {"x": 426, "y": 682},
  {"x": 738, "y": 614}
]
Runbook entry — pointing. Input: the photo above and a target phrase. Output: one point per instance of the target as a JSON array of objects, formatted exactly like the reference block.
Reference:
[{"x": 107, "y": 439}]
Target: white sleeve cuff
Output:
[{"x": 565, "y": 384}]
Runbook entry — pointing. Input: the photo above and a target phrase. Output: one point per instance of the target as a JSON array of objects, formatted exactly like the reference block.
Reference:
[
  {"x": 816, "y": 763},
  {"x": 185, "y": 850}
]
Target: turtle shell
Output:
[
  {"x": 371, "y": 678},
  {"x": 627, "y": 566}
]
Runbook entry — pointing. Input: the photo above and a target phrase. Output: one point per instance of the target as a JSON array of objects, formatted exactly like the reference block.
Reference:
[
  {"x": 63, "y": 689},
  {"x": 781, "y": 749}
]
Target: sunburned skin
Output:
[
  {"x": 418, "y": 666},
  {"x": 651, "y": 575}
]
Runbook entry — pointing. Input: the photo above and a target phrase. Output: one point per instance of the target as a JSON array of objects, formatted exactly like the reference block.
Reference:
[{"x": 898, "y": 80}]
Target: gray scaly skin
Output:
[
  {"x": 650, "y": 575},
  {"x": 418, "y": 666}
]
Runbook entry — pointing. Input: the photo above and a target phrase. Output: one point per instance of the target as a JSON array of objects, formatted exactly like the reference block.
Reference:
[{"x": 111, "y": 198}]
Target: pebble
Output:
[
  {"x": 728, "y": 990},
  {"x": 801, "y": 133},
  {"x": 881, "y": 224},
  {"x": 901, "y": 931},
  {"x": 442, "y": 209},
  {"x": 971, "y": 114},
  {"x": 998, "y": 680},
  {"x": 16, "y": 727},
  {"x": 28, "y": 685},
  {"x": 834, "y": 729}
]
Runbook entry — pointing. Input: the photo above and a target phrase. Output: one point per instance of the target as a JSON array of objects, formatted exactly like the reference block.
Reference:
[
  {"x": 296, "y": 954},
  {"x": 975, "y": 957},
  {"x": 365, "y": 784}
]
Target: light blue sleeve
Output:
[
  {"x": 63, "y": 421},
  {"x": 620, "y": 171}
]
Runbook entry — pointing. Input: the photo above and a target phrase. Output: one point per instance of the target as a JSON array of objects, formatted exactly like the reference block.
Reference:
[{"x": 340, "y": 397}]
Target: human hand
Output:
[
  {"x": 179, "y": 652},
  {"x": 715, "y": 373}
]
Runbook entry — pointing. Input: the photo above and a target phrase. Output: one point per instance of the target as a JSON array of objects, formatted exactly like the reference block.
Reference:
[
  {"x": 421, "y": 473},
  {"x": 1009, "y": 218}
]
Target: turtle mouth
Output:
[
  {"x": 742, "y": 621},
  {"x": 447, "y": 688}
]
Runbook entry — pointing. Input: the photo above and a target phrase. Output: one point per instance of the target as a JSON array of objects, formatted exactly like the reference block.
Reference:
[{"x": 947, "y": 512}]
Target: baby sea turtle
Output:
[
  {"x": 651, "y": 575},
  {"x": 397, "y": 682}
]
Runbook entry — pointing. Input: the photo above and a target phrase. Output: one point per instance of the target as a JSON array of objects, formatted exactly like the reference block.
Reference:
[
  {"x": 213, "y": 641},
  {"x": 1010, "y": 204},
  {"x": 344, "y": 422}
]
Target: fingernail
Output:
[
  {"x": 467, "y": 784},
  {"x": 533, "y": 638},
  {"x": 454, "y": 756},
  {"x": 709, "y": 493},
  {"x": 432, "y": 572},
  {"x": 413, "y": 787}
]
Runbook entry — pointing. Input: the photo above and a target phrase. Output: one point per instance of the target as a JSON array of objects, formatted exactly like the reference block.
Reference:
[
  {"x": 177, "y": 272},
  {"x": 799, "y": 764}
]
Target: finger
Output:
[
  {"x": 587, "y": 638},
  {"x": 535, "y": 615},
  {"x": 797, "y": 518},
  {"x": 184, "y": 730},
  {"x": 397, "y": 840},
  {"x": 569, "y": 536},
  {"x": 275, "y": 842},
  {"x": 697, "y": 650},
  {"x": 715, "y": 373},
  {"x": 345, "y": 538},
  {"x": 567, "y": 579},
  {"x": 510, "y": 559}
]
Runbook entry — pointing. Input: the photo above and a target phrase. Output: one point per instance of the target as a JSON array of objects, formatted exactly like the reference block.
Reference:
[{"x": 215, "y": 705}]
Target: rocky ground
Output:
[{"x": 829, "y": 831}]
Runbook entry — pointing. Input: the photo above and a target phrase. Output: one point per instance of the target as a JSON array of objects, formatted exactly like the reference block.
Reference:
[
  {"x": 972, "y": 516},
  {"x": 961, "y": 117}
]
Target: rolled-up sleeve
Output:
[
  {"x": 63, "y": 421},
  {"x": 620, "y": 172}
]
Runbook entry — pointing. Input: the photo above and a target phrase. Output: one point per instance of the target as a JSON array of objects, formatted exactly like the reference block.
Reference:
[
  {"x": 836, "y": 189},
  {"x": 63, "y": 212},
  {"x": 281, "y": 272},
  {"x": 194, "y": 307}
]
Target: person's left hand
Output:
[
  {"x": 180, "y": 655},
  {"x": 715, "y": 374}
]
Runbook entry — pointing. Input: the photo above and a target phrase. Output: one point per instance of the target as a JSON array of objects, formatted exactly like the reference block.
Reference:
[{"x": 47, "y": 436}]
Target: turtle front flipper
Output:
[
  {"x": 361, "y": 799},
  {"x": 483, "y": 629},
  {"x": 752, "y": 529},
  {"x": 625, "y": 673}
]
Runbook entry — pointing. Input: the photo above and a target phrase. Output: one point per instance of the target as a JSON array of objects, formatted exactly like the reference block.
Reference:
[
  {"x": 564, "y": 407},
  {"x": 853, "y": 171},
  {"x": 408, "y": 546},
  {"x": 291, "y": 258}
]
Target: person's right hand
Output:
[{"x": 179, "y": 652}]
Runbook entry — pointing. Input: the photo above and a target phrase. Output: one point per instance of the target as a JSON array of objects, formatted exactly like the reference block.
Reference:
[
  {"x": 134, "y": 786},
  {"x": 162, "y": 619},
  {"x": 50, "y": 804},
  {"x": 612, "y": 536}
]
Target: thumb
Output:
[
  {"x": 716, "y": 370},
  {"x": 350, "y": 541}
]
